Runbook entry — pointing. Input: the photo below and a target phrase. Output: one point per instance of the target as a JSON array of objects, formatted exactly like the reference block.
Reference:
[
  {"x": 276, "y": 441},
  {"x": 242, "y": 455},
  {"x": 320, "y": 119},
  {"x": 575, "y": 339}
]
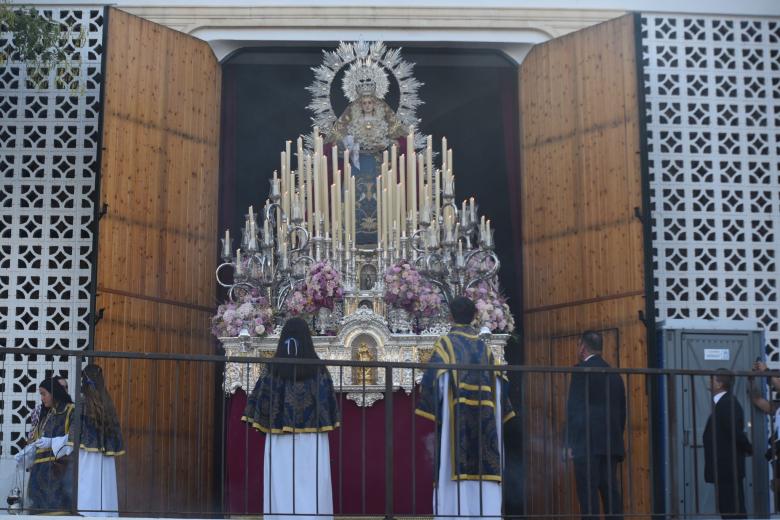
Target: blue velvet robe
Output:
[
  {"x": 279, "y": 405},
  {"x": 93, "y": 439},
  {"x": 472, "y": 403},
  {"x": 50, "y": 489}
]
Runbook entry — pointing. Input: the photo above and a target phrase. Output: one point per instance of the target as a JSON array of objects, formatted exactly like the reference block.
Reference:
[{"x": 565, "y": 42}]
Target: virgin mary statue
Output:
[{"x": 367, "y": 127}]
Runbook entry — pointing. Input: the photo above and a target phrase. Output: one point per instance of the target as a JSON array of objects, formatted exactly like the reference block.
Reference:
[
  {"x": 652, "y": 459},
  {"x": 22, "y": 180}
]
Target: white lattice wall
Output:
[
  {"x": 712, "y": 86},
  {"x": 48, "y": 153}
]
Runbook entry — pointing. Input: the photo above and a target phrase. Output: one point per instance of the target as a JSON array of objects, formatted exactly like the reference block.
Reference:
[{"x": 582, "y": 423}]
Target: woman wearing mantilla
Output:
[
  {"x": 100, "y": 444},
  {"x": 295, "y": 406}
]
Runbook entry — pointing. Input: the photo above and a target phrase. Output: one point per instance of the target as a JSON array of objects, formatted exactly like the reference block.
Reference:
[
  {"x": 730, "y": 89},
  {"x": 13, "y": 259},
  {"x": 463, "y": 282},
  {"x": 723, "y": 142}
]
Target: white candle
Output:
[
  {"x": 410, "y": 169},
  {"x": 403, "y": 209},
  {"x": 396, "y": 239},
  {"x": 239, "y": 270},
  {"x": 275, "y": 189},
  {"x": 352, "y": 193},
  {"x": 410, "y": 140},
  {"x": 437, "y": 193},
  {"x": 333, "y": 211},
  {"x": 409, "y": 183},
  {"x": 346, "y": 212},
  {"x": 253, "y": 235},
  {"x": 444, "y": 154},
  {"x": 309, "y": 187},
  {"x": 399, "y": 192},
  {"x": 226, "y": 245},
  {"x": 403, "y": 175},
  {"x": 334, "y": 156},
  {"x": 385, "y": 215},
  {"x": 423, "y": 176},
  {"x": 316, "y": 164},
  {"x": 347, "y": 199},
  {"x": 390, "y": 188},
  {"x": 285, "y": 186},
  {"x": 325, "y": 200},
  {"x": 290, "y": 188},
  {"x": 285, "y": 198},
  {"x": 337, "y": 226},
  {"x": 350, "y": 220},
  {"x": 379, "y": 221},
  {"x": 299, "y": 150},
  {"x": 429, "y": 159},
  {"x": 288, "y": 155},
  {"x": 393, "y": 158}
]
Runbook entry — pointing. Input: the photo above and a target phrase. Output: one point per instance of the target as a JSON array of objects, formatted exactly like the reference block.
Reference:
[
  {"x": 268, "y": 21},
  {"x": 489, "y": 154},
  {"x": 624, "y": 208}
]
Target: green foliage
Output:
[{"x": 45, "y": 46}]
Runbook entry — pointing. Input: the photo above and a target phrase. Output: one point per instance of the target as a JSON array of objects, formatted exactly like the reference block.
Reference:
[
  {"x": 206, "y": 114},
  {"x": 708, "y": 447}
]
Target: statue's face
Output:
[{"x": 367, "y": 104}]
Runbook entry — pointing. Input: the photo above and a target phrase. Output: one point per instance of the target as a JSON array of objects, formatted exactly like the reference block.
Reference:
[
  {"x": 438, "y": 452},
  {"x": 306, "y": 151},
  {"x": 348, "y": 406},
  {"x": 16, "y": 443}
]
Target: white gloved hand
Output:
[
  {"x": 26, "y": 457},
  {"x": 43, "y": 443}
]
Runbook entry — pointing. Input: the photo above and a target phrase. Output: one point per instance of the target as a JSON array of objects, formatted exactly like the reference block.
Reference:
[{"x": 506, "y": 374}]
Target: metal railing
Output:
[{"x": 184, "y": 459}]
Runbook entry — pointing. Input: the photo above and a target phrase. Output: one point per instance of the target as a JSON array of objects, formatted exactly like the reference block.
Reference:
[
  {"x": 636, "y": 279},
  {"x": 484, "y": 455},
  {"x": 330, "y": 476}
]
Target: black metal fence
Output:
[{"x": 628, "y": 442}]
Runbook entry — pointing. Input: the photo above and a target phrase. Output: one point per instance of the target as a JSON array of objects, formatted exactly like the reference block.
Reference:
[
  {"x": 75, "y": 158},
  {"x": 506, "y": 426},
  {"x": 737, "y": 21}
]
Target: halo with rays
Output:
[{"x": 347, "y": 54}]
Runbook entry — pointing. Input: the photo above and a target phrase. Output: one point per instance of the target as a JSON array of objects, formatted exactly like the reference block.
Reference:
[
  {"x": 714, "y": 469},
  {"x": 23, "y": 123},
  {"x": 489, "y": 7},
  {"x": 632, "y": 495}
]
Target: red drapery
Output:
[{"x": 357, "y": 459}]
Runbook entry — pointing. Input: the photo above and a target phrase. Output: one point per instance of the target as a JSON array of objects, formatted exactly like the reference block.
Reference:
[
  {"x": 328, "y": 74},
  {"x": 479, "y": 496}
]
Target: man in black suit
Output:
[
  {"x": 596, "y": 420},
  {"x": 725, "y": 447}
]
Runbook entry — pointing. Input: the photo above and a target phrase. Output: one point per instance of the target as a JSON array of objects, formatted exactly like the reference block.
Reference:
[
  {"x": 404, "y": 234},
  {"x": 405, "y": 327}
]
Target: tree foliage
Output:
[{"x": 45, "y": 46}]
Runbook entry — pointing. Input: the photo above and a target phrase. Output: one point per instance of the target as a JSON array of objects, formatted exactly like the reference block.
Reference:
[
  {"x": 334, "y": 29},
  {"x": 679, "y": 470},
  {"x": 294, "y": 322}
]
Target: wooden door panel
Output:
[
  {"x": 583, "y": 256},
  {"x": 156, "y": 259}
]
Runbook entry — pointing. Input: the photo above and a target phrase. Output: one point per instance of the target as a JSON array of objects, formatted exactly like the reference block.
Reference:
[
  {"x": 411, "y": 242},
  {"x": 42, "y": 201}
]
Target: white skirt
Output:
[
  {"x": 289, "y": 485},
  {"x": 97, "y": 484}
]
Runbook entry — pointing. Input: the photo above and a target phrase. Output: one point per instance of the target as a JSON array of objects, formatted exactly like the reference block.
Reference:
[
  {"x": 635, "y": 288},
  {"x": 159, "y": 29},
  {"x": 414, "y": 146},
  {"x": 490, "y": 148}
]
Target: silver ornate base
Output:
[{"x": 363, "y": 336}]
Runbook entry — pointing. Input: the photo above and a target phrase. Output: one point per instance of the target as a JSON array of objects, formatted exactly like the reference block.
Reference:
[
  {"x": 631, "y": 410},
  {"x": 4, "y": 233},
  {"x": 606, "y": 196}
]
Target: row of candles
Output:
[{"x": 412, "y": 198}]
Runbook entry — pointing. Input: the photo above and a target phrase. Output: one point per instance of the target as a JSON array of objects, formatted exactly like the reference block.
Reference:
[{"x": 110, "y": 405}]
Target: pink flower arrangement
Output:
[
  {"x": 406, "y": 289},
  {"x": 321, "y": 289},
  {"x": 492, "y": 309},
  {"x": 297, "y": 303},
  {"x": 251, "y": 311},
  {"x": 430, "y": 301}
]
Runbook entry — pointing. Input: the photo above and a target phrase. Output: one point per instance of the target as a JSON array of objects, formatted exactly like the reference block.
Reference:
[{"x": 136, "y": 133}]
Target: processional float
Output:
[{"x": 362, "y": 236}]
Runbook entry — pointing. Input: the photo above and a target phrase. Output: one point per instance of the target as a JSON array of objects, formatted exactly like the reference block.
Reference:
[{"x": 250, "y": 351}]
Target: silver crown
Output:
[
  {"x": 366, "y": 87},
  {"x": 365, "y": 77}
]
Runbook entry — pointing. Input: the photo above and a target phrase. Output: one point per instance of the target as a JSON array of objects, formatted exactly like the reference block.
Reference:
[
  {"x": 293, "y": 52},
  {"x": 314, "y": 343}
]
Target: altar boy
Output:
[{"x": 469, "y": 407}]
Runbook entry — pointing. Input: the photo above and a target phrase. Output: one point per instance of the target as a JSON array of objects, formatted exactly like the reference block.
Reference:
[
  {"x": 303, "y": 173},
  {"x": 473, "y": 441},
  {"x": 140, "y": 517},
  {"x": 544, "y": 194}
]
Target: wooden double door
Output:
[{"x": 583, "y": 249}]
